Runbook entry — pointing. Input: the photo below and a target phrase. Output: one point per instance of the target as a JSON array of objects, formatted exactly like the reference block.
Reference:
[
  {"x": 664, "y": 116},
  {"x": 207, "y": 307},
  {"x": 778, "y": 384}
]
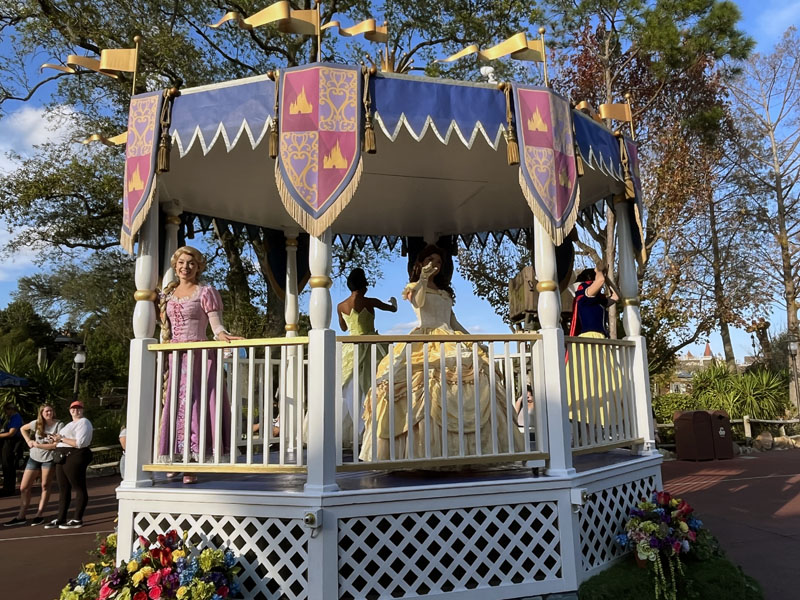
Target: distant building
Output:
[{"x": 686, "y": 366}]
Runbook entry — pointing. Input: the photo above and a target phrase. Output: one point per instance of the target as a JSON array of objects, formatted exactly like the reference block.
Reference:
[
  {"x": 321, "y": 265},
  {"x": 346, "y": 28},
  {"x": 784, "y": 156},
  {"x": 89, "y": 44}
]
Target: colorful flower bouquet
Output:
[
  {"x": 659, "y": 530},
  {"x": 165, "y": 570}
]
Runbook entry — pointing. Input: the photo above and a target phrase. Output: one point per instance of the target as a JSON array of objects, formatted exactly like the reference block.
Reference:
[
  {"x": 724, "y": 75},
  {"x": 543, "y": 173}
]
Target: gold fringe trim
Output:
[
  {"x": 557, "y": 234},
  {"x": 127, "y": 240},
  {"x": 317, "y": 227}
]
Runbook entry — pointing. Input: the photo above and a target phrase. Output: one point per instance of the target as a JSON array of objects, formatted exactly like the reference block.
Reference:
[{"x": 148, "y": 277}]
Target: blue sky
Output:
[{"x": 23, "y": 127}]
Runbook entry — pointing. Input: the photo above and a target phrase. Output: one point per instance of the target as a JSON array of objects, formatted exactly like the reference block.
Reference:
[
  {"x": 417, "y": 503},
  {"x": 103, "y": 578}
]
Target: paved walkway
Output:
[{"x": 751, "y": 503}]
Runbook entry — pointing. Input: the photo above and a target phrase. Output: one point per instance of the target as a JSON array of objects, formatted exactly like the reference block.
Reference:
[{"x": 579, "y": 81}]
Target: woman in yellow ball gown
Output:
[{"x": 432, "y": 297}]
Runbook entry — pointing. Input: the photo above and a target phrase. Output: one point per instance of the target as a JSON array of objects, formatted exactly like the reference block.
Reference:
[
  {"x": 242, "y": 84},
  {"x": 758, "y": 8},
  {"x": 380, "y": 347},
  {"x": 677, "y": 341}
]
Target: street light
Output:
[
  {"x": 793, "y": 347},
  {"x": 78, "y": 361}
]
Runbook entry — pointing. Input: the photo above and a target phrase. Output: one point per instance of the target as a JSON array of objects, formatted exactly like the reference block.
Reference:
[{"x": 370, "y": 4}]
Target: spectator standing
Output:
[
  {"x": 40, "y": 462},
  {"x": 72, "y": 458},
  {"x": 11, "y": 448}
]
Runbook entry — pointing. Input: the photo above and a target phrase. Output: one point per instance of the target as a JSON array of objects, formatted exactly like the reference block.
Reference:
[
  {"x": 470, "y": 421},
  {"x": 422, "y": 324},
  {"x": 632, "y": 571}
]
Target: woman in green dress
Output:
[{"x": 357, "y": 316}]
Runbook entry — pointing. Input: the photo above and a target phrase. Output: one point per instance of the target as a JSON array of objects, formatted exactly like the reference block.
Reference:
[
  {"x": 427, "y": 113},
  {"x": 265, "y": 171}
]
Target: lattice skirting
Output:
[
  {"x": 604, "y": 516},
  {"x": 273, "y": 552},
  {"x": 429, "y": 553}
]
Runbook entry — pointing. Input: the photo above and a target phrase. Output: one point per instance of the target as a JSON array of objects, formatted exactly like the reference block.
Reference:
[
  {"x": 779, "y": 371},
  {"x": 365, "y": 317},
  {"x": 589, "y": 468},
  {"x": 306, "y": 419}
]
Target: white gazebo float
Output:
[{"x": 306, "y": 516}]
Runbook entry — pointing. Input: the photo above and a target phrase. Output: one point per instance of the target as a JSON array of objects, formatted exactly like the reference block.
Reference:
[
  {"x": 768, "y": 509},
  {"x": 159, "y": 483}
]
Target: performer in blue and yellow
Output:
[{"x": 432, "y": 297}]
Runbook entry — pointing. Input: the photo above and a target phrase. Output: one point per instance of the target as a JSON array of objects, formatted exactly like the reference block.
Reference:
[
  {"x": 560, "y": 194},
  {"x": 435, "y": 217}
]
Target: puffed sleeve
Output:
[
  {"x": 415, "y": 293},
  {"x": 211, "y": 302}
]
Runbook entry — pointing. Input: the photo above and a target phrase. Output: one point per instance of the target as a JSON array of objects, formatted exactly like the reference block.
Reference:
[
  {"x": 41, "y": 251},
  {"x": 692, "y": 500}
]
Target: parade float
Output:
[{"x": 327, "y": 153}]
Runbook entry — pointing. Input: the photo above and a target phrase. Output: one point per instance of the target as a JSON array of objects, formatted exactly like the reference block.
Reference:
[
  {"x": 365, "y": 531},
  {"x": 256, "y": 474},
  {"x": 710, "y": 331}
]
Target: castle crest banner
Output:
[{"x": 319, "y": 157}]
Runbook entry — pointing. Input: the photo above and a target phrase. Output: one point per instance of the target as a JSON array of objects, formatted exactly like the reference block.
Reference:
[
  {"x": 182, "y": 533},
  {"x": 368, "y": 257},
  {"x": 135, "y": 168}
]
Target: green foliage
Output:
[
  {"x": 715, "y": 578},
  {"x": 761, "y": 394},
  {"x": 49, "y": 381},
  {"x": 667, "y": 404}
]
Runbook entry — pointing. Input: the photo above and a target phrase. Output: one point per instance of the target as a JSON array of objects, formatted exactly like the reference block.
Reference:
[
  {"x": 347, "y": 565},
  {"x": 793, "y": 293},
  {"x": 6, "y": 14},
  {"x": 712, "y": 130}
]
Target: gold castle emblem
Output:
[
  {"x": 334, "y": 160},
  {"x": 536, "y": 123},
  {"x": 563, "y": 178},
  {"x": 301, "y": 106},
  {"x": 135, "y": 183}
]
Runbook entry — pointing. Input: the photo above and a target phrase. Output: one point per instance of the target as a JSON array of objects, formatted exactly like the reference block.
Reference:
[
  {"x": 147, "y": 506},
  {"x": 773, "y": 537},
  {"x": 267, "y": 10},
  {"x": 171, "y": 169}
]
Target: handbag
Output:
[{"x": 60, "y": 455}]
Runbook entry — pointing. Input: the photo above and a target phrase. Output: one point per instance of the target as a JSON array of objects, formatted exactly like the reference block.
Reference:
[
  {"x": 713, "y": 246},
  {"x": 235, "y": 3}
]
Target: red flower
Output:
[
  {"x": 223, "y": 591},
  {"x": 154, "y": 579},
  {"x": 155, "y": 593},
  {"x": 684, "y": 509},
  {"x": 663, "y": 498},
  {"x": 161, "y": 539},
  {"x": 103, "y": 548},
  {"x": 143, "y": 542},
  {"x": 140, "y": 595},
  {"x": 691, "y": 535},
  {"x": 106, "y": 591}
]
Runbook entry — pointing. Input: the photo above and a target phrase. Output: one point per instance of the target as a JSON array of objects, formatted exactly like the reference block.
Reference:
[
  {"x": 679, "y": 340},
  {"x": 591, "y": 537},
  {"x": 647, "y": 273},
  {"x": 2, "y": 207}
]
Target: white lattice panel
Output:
[
  {"x": 273, "y": 553},
  {"x": 441, "y": 551},
  {"x": 603, "y": 517}
]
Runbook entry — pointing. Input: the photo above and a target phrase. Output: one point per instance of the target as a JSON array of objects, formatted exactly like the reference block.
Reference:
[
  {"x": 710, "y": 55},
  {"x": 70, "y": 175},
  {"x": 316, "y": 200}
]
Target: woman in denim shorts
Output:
[{"x": 38, "y": 435}]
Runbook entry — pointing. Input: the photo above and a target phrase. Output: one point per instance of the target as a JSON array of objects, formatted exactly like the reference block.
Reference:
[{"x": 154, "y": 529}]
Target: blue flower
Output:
[
  {"x": 216, "y": 597},
  {"x": 234, "y": 588},
  {"x": 83, "y": 578},
  {"x": 622, "y": 540},
  {"x": 230, "y": 559},
  {"x": 694, "y": 523}
]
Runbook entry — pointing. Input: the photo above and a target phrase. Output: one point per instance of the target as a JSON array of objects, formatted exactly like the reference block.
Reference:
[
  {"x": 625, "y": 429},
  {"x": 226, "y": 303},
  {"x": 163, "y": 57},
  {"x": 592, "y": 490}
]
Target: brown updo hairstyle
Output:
[{"x": 443, "y": 278}]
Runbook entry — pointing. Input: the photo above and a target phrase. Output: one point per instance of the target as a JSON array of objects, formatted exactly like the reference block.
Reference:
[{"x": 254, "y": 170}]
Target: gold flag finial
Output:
[{"x": 108, "y": 141}]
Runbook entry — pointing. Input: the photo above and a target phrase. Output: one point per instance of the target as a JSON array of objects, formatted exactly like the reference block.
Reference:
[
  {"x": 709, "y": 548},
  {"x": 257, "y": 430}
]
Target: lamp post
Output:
[
  {"x": 77, "y": 362},
  {"x": 793, "y": 347}
]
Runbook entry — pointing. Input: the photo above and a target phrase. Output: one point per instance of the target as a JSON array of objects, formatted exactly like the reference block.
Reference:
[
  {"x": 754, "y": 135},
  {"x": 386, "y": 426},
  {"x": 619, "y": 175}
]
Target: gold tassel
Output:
[
  {"x": 274, "y": 146},
  {"x": 369, "y": 146},
  {"x": 273, "y": 138},
  {"x": 578, "y": 162},
  {"x": 165, "y": 142},
  {"x": 368, "y": 143},
  {"x": 512, "y": 147}
]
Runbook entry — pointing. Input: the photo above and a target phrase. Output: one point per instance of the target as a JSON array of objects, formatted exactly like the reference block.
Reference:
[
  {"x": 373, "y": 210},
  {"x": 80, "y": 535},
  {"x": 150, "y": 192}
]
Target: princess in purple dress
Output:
[{"x": 187, "y": 308}]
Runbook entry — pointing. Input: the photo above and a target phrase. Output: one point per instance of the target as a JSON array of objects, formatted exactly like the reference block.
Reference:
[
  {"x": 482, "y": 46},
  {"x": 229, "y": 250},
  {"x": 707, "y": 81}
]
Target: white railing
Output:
[
  {"x": 264, "y": 383},
  {"x": 600, "y": 393},
  {"x": 447, "y": 419}
]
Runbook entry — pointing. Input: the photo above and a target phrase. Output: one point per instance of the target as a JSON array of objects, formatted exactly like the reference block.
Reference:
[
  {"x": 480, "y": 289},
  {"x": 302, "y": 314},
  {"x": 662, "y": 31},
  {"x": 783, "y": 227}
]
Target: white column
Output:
[
  {"x": 631, "y": 319},
  {"x": 555, "y": 382},
  {"x": 291, "y": 308},
  {"x": 173, "y": 221},
  {"x": 321, "y": 371},
  {"x": 141, "y": 377}
]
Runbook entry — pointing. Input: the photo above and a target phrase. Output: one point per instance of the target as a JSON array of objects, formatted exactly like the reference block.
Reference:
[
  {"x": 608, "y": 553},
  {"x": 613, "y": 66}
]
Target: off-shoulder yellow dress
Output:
[{"x": 434, "y": 310}]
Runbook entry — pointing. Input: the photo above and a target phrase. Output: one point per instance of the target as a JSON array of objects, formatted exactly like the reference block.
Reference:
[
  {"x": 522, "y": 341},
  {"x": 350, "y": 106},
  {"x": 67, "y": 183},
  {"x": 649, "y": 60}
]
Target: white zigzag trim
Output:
[
  {"x": 197, "y": 136},
  {"x": 445, "y": 139}
]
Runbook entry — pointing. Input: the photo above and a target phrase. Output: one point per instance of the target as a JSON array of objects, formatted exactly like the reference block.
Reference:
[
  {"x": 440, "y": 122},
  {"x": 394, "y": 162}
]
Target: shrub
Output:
[{"x": 665, "y": 405}]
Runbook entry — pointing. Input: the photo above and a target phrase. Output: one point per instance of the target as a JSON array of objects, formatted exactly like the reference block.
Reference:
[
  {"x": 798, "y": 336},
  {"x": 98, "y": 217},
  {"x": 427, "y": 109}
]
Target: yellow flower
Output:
[
  {"x": 182, "y": 591},
  {"x": 133, "y": 566},
  {"x": 147, "y": 571},
  {"x": 137, "y": 578},
  {"x": 89, "y": 567},
  {"x": 178, "y": 554},
  {"x": 684, "y": 527}
]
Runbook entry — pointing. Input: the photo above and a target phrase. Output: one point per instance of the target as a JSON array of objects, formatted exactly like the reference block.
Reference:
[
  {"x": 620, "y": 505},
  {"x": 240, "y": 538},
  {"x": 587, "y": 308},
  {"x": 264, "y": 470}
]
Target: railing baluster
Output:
[
  {"x": 268, "y": 415},
  {"x": 510, "y": 398},
  {"x": 173, "y": 403},
  {"x": 201, "y": 443},
  {"x": 523, "y": 384},
  {"x": 426, "y": 390},
  {"x": 629, "y": 396},
  {"x": 611, "y": 377},
  {"x": 285, "y": 422},
  {"x": 493, "y": 397},
  {"x": 391, "y": 403},
  {"x": 158, "y": 405},
  {"x": 251, "y": 377},
  {"x": 409, "y": 407},
  {"x": 477, "y": 390},
  {"x": 374, "y": 411},
  {"x": 339, "y": 411},
  {"x": 219, "y": 396},
  {"x": 585, "y": 392},
  {"x": 235, "y": 403},
  {"x": 460, "y": 396},
  {"x": 187, "y": 406},
  {"x": 443, "y": 395},
  {"x": 574, "y": 392},
  {"x": 355, "y": 404},
  {"x": 300, "y": 395}
]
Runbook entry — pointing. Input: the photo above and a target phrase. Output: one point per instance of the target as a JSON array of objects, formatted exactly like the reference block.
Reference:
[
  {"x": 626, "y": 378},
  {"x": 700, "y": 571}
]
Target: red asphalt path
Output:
[{"x": 751, "y": 503}]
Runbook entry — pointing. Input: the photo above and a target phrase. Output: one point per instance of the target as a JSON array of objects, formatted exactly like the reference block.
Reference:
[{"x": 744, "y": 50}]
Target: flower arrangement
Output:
[
  {"x": 168, "y": 569},
  {"x": 659, "y": 530}
]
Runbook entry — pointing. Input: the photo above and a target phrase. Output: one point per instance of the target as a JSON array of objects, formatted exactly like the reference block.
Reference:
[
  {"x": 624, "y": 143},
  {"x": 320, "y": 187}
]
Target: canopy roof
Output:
[{"x": 440, "y": 166}]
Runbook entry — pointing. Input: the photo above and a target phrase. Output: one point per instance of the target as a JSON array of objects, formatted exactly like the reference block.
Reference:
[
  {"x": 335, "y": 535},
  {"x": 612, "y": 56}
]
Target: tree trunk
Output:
[
  {"x": 236, "y": 277},
  {"x": 276, "y": 314},
  {"x": 610, "y": 251},
  {"x": 720, "y": 300}
]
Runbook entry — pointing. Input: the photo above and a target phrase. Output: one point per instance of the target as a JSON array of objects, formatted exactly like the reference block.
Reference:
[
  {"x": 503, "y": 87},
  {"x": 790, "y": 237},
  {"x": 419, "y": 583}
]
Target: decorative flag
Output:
[
  {"x": 618, "y": 112},
  {"x": 319, "y": 160},
  {"x": 281, "y": 13},
  {"x": 547, "y": 170},
  {"x": 367, "y": 27},
  {"x": 517, "y": 47},
  {"x": 140, "y": 164},
  {"x": 111, "y": 62}
]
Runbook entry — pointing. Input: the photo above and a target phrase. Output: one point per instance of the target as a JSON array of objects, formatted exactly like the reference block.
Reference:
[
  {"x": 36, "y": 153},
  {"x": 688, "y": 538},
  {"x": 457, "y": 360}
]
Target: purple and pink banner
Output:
[
  {"x": 319, "y": 156},
  {"x": 548, "y": 174},
  {"x": 140, "y": 163}
]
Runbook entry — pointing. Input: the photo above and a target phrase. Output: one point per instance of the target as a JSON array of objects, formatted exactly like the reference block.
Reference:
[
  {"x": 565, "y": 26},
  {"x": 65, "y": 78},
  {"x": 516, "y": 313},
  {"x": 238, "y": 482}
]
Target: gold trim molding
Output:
[
  {"x": 547, "y": 285},
  {"x": 320, "y": 281},
  {"x": 291, "y": 242},
  {"x": 145, "y": 296},
  {"x": 291, "y": 327},
  {"x": 173, "y": 220},
  {"x": 630, "y": 302}
]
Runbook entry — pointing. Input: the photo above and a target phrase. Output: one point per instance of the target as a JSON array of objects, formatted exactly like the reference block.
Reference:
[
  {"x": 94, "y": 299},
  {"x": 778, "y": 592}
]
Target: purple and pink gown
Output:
[{"x": 189, "y": 319}]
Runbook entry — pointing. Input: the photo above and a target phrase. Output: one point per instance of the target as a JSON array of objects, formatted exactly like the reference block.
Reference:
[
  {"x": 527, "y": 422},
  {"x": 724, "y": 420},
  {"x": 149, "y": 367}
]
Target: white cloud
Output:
[
  {"x": 22, "y": 129},
  {"x": 771, "y": 21},
  {"x": 18, "y": 264},
  {"x": 401, "y": 328}
]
